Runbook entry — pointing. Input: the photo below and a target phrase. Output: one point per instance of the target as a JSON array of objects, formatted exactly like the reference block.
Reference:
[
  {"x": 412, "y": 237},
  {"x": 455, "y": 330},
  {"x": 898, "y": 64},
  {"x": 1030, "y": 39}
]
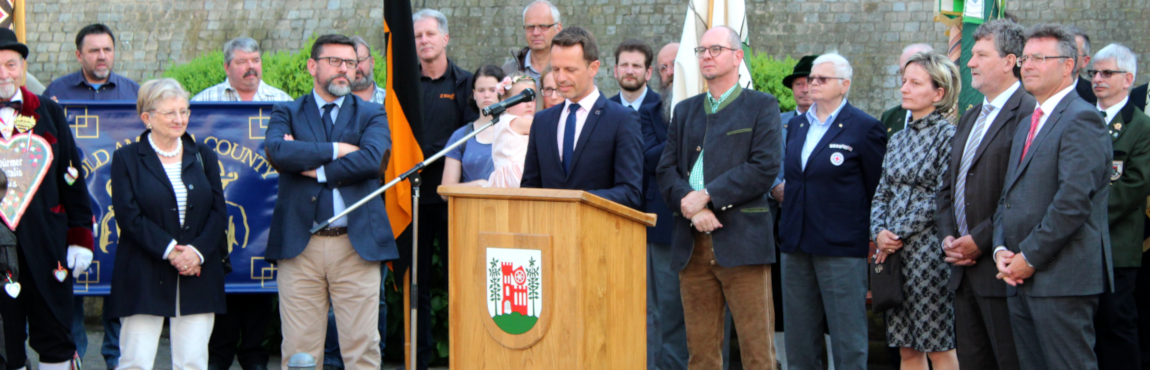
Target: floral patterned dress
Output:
[{"x": 904, "y": 203}]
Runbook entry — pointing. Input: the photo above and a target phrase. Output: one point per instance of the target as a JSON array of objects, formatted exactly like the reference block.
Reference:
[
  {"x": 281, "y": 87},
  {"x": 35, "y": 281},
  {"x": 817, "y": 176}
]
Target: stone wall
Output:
[{"x": 870, "y": 33}]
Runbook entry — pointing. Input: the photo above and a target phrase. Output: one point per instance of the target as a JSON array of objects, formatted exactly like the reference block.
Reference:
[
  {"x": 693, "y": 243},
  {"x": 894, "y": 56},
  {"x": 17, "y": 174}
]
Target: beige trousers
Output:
[{"x": 330, "y": 268}]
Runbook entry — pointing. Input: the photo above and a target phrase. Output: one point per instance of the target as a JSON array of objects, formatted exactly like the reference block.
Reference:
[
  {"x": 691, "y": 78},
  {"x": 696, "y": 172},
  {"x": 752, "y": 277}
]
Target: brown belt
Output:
[{"x": 331, "y": 231}]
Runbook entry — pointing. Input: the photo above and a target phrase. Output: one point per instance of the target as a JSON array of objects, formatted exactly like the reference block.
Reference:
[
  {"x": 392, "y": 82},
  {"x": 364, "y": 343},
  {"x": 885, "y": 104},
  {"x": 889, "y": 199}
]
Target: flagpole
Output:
[{"x": 18, "y": 27}]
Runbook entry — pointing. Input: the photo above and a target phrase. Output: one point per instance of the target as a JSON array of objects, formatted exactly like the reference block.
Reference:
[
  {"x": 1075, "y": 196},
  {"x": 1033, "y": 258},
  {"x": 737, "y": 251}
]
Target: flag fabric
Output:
[
  {"x": 404, "y": 109},
  {"x": 702, "y": 15}
]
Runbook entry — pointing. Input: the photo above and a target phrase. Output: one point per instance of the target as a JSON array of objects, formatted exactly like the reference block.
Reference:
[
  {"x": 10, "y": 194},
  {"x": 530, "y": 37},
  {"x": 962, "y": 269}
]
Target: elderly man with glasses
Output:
[{"x": 540, "y": 23}]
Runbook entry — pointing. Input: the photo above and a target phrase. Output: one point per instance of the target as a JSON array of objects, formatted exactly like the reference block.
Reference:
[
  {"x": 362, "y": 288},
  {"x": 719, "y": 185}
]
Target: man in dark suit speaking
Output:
[
  {"x": 586, "y": 143},
  {"x": 327, "y": 146},
  {"x": 1051, "y": 231}
]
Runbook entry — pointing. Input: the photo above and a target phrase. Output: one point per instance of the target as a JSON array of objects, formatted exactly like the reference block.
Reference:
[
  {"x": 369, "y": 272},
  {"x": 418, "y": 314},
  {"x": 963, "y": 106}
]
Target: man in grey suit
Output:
[
  {"x": 1050, "y": 231},
  {"x": 969, "y": 197}
]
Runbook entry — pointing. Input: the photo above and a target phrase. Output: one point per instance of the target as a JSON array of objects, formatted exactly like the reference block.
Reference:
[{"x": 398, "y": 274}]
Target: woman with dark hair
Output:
[{"x": 470, "y": 164}]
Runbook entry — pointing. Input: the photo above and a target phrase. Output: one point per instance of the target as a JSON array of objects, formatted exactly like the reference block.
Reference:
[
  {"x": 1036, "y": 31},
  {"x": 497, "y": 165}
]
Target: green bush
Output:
[
  {"x": 768, "y": 72},
  {"x": 284, "y": 70}
]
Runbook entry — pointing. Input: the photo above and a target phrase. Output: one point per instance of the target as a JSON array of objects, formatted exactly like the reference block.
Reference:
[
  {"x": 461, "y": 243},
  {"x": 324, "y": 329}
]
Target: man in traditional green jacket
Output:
[
  {"x": 1116, "y": 321},
  {"x": 895, "y": 118}
]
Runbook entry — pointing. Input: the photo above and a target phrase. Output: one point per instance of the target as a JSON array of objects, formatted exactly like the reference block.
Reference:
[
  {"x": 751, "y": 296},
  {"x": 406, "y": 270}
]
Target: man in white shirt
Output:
[{"x": 245, "y": 71}]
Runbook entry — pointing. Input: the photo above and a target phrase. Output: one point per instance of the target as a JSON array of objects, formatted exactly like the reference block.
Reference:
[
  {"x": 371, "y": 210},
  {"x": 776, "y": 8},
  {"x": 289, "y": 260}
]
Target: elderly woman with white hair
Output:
[
  {"x": 171, "y": 214},
  {"x": 903, "y": 215}
]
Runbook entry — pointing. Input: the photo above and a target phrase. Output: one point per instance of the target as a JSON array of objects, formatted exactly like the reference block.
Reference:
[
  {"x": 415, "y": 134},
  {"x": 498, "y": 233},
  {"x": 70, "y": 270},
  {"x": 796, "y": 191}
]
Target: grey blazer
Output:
[
  {"x": 1053, "y": 206},
  {"x": 984, "y": 182}
]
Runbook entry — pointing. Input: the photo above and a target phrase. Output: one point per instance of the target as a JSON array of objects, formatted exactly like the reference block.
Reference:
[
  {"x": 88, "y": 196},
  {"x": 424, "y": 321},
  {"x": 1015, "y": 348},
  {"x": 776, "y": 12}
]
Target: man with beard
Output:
[
  {"x": 541, "y": 24},
  {"x": 244, "y": 69},
  {"x": 666, "y": 61},
  {"x": 96, "y": 52},
  {"x": 446, "y": 92},
  {"x": 248, "y": 314},
  {"x": 328, "y": 145},
  {"x": 632, "y": 70},
  {"x": 54, "y": 232},
  {"x": 364, "y": 84}
]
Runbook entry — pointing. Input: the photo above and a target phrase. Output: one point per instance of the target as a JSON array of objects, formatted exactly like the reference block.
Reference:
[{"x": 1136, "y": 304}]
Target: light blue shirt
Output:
[
  {"x": 634, "y": 104},
  {"x": 320, "y": 175},
  {"x": 818, "y": 129}
]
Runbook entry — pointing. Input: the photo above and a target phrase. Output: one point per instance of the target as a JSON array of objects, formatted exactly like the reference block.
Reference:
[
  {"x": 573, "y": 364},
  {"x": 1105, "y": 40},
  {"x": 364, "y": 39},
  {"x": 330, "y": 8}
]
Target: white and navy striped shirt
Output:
[
  {"x": 174, "y": 171},
  {"x": 225, "y": 92},
  {"x": 378, "y": 95}
]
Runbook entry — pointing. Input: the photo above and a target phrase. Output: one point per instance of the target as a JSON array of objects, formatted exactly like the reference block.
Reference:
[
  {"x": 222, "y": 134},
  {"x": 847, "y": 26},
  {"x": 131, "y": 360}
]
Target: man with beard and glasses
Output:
[
  {"x": 364, "y": 84},
  {"x": 632, "y": 70},
  {"x": 96, "y": 52},
  {"x": 245, "y": 70},
  {"x": 328, "y": 145},
  {"x": 53, "y": 234},
  {"x": 248, "y": 314},
  {"x": 666, "y": 62}
]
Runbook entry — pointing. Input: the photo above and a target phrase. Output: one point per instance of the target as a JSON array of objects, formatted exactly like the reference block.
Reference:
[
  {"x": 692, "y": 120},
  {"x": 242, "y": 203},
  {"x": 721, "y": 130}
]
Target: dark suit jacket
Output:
[
  {"x": 608, "y": 154},
  {"x": 741, "y": 144},
  {"x": 1086, "y": 90},
  {"x": 894, "y": 119},
  {"x": 652, "y": 97},
  {"x": 654, "y": 140},
  {"x": 1053, "y": 206},
  {"x": 826, "y": 208},
  {"x": 1130, "y": 132},
  {"x": 143, "y": 281},
  {"x": 356, "y": 175},
  {"x": 984, "y": 182},
  {"x": 1138, "y": 97}
]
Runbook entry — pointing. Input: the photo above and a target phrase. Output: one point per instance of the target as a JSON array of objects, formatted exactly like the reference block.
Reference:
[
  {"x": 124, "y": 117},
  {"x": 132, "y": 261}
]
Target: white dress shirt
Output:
[
  {"x": 585, "y": 106},
  {"x": 1113, "y": 110},
  {"x": 818, "y": 129},
  {"x": 320, "y": 174},
  {"x": 998, "y": 102}
]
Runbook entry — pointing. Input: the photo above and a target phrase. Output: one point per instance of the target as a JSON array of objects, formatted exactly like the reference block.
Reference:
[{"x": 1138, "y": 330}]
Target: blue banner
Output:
[{"x": 235, "y": 131}]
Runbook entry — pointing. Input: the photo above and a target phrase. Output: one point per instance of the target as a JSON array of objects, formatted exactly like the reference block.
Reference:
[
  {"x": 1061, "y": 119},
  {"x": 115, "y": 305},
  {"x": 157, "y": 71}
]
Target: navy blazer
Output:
[
  {"x": 652, "y": 97},
  {"x": 143, "y": 282},
  {"x": 827, "y": 207},
  {"x": 356, "y": 175},
  {"x": 654, "y": 140},
  {"x": 608, "y": 154}
]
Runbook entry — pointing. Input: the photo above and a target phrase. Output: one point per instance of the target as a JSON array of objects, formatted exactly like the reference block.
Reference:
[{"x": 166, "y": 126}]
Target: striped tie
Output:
[{"x": 968, "y": 157}]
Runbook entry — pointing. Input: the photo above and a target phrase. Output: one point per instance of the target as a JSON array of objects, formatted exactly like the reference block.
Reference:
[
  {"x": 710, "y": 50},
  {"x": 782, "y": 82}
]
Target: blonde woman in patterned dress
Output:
[{"x": 902, "y": 215}]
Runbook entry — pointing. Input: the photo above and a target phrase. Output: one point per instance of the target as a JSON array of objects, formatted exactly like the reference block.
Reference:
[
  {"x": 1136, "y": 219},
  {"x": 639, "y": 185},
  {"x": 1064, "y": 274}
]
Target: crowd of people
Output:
[{"x": 1011, "y": 231}]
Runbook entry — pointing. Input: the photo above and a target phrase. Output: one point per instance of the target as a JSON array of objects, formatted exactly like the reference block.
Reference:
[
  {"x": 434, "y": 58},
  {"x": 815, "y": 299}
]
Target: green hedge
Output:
[
  {"x": 768, "y": 72},
  {"x": 284, "y": 70}
]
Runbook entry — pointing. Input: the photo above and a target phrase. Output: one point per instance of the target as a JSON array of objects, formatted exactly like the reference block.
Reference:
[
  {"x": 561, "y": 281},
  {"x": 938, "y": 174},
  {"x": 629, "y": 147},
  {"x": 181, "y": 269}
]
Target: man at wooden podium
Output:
[
  {"x": 589, "y": 142},
  {"x": 718, "y": 243}
]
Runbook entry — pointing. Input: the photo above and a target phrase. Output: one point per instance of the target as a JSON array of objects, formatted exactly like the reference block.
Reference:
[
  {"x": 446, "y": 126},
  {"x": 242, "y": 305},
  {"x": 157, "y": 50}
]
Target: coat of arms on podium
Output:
[{"x": 514, "y": 288}]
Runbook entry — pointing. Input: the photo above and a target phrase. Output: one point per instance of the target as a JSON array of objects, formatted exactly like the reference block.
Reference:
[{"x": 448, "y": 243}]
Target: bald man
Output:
[
  {"x": 895, "y": 118},
  {"x": 665, "y": 62}
]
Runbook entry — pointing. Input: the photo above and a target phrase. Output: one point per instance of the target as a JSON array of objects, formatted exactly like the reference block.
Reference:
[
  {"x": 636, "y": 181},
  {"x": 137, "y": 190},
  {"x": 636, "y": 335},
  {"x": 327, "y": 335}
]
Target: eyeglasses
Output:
[
  {"x": 1038, "y": 58},
  {"x": 171, "y": 115},
  {"x": 550, "y": 91},
  {"x": 714, "y": 49},
  {"x": 664, "y": 68},
  {"x": 360, "y": 61},
  {"x": 821, "y": 80},
  {"x": 1106, "y": 73},
  {"x": 530, "y": 28},
  {"x": 336, "y": 62}
]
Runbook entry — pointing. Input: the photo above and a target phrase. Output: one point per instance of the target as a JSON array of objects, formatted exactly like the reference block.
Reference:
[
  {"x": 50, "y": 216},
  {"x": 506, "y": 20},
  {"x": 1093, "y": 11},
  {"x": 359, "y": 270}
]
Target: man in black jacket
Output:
[{"x": 541, "y": 23}]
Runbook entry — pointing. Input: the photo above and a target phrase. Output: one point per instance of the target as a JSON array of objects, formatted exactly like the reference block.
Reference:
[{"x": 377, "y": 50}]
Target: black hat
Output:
[
  {"x": 8, "y": 41},
  {"x": 803, "y": 69}
]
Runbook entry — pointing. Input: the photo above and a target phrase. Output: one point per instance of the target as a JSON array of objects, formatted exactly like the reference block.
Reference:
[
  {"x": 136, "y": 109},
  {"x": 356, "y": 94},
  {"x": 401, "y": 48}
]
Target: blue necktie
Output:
[
  {"x": 569, "y": 138},
  {"x": 325, "y": 207}
]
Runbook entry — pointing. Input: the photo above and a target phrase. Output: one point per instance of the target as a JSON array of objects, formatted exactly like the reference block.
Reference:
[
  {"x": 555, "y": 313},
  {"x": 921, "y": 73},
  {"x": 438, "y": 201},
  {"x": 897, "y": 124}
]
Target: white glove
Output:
[{"x": 79, "y": 258}]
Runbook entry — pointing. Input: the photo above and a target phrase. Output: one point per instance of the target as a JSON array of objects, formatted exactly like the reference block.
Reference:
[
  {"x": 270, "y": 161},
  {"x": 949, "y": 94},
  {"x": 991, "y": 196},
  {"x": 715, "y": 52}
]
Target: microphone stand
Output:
[{"x": 411, "y": 175}]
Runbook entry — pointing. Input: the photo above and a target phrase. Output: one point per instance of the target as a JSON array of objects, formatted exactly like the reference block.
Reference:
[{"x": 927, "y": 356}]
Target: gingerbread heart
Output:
[
  {"x": 13, "y": 289},
  {"x": 60, "y": 275},
  {"x": 25, "y": 158}
]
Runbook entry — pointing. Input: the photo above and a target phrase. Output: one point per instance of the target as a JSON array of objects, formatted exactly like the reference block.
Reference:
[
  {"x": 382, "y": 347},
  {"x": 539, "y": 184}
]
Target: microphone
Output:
[{"x": 498, "y": 108}]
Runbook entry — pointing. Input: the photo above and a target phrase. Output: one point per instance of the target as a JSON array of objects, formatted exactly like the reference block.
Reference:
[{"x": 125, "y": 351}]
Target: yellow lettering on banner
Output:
[
  {"x": 94, "y": 160},
  {"x": 240, "y": 153}
]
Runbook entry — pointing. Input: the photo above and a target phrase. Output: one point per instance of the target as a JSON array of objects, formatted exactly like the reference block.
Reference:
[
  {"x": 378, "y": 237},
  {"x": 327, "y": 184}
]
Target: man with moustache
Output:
[
  {"x": 1082, "y": 85},
  {"x": 1129, "y": 128},
  {"x": 666, "y": 61},
  {"x": 969, "y": 197},
  {"x": 540, "y": 23},
  {"x": 54, "y": 232},
  {"x": 96, "y": 52},
  {"x": 1051, "y": 237},
  {"x": 896, "y": 117},
  {"x": 364, "y": 85},
  {"x": 632, "y": 71},
  {"x": 446, "y": 91},
  {"x": 328, "y": 145},
  {"x": 243, "y": 65},
  {"x": 248, "y": 314}
]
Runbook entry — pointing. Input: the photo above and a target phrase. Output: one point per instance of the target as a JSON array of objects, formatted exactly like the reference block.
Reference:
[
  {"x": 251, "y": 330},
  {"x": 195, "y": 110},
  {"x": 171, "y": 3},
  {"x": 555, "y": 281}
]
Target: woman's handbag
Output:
[
  {"x": 227, "y": 259},
  {"x": 886, "y": 283}
]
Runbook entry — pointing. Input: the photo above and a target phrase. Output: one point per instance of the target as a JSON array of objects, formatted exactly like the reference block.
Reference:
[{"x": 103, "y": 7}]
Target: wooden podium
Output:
[{"x": 546, "y": 279}]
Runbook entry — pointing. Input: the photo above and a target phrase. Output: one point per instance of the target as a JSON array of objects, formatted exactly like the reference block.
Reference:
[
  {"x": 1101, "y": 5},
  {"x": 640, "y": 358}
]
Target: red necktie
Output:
[{"x": 1034, "y": 118}]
